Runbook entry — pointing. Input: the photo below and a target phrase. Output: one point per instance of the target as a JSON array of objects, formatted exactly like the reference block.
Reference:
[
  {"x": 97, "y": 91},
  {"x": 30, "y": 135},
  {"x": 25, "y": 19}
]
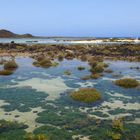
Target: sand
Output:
[
  {"x": 27, "y": 118},
  {"x": 53, "y": 87},
  {"x": 121, "y": 105},
  {"x": 86, "y": 41},
  {"x": 113, "y": 105},
  {"x": 86, "y": 84},
  {"x": 119, "y": 95},
  {"x": 80, "y": 137}
]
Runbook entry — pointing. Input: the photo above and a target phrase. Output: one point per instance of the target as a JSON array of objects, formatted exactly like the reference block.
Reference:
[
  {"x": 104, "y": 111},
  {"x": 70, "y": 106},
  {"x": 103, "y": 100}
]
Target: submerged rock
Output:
[
  {"x": 6, "y": 72},
  {"x": 10, "y": 65},
  {"x": 81, "y": 68},
  {"x": 127, "y": 83},
  {"x": 67, "y": 72}
]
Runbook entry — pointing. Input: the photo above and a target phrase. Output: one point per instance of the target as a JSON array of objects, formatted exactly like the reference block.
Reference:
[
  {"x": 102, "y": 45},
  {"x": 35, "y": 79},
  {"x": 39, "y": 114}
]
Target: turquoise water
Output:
[
  {"x": 47, "y": 92},
  {"x": 40, "y": 40},
  {"x": 53, "y": 40}
]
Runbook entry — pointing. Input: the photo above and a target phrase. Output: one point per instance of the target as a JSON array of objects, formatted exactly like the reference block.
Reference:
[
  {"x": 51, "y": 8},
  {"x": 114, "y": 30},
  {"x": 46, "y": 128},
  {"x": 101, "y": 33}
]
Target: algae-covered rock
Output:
[{"x": 86, "y": 95}]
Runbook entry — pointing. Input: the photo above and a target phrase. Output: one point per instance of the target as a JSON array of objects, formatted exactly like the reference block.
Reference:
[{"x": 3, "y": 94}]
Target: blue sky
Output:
[{"x": 71, "y": 17}]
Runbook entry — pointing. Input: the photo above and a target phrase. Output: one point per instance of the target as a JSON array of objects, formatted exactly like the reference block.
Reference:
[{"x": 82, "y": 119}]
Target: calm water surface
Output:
[{"x": 47, "y": 92}]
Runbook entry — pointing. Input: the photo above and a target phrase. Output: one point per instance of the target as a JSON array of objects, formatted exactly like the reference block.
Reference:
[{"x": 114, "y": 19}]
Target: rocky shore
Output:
[{"x": 84, "y": 52}]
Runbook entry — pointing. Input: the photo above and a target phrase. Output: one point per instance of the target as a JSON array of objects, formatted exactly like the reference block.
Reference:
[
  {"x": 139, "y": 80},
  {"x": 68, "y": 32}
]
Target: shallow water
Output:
[
  {"x": 47, "y": 91},
  {"x": 55, "y": 40}
]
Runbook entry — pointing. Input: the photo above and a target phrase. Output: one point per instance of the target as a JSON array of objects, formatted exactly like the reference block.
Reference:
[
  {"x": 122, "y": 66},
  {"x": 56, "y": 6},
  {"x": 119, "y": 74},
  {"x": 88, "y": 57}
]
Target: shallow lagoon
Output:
[{"x": 40, "y": 98}]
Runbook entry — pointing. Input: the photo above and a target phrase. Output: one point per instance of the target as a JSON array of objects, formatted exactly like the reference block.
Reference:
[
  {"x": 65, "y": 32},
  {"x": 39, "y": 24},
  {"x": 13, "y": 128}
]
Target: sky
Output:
[{"x": 83, "y": 18}]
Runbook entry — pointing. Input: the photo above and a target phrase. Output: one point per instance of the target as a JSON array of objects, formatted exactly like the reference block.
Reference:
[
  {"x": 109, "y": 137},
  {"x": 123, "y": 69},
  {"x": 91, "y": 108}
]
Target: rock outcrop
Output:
[{"x": 9, "y": 34}]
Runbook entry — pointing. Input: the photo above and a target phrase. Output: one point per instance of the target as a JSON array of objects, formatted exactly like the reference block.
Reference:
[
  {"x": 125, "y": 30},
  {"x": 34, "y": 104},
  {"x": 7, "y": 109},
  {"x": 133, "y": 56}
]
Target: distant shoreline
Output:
[{"x": 49, "y": 40}]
